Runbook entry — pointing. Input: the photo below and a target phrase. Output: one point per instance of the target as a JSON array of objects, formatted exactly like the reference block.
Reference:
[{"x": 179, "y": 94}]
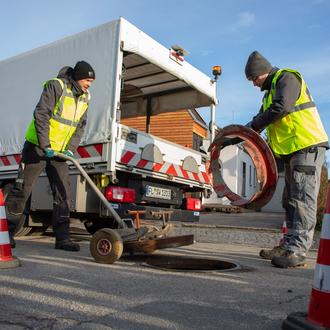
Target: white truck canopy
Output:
[{"x": 126, "y": 62}]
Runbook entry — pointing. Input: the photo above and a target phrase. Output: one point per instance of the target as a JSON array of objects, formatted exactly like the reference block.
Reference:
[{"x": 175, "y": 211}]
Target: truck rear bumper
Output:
[{"x": 152, "y": 213}]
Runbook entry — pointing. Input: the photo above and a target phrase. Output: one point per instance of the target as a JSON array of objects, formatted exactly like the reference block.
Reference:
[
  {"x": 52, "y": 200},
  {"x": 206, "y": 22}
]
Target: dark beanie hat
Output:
[
  {"x": 257, "y": 65},
  {"x": 83, "y": 70}
]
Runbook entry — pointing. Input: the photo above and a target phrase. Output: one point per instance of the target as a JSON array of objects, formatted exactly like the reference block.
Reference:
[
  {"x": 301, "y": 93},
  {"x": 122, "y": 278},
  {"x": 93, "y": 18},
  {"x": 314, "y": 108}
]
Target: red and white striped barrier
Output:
[
  {"x": 128, "y": 158},
  {"x": 134, "y": 159},
  {"x": 6, "y": 258},
  {"x": 10, "y": 160},
  {"x": 90, "y": 151},
  {"x": 319, "y": 306}
]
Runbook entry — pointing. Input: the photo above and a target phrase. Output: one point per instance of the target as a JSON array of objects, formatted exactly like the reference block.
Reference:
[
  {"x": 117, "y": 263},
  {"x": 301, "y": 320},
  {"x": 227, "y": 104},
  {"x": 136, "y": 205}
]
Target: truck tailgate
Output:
[{"x": 140, "y": 152}]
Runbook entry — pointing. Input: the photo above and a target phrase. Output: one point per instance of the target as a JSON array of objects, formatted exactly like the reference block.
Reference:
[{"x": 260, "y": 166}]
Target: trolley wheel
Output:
[{"x": 106, "y": 246}]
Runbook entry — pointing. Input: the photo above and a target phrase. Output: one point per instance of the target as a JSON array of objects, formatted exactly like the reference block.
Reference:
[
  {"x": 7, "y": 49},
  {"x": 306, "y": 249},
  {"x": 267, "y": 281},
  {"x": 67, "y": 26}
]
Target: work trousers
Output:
[
  {"x": 302, "y": 184},
  {"x": 32, "y": 164}
]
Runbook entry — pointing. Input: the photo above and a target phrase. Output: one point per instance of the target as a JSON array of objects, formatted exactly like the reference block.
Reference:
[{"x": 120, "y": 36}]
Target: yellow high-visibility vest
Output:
[
  {"x": 299, "y": 129},
  {"x": 64, "y": 120}
]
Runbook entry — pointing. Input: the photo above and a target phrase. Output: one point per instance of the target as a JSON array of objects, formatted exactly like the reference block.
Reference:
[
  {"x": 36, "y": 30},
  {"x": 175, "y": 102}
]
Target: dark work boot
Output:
[
  {"x": 269, "y": 254},
  {"x": 13, "y": 221},
  {"x": 62, "y": 237},
  {"x": 67, "y": 245},
  {"x": 12, "y": 242},
  {"x": 288, "y": 260}
]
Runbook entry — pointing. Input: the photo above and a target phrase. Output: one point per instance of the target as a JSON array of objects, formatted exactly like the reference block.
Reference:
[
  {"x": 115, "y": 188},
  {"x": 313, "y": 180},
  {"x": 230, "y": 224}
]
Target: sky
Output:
[{"x": 289, "y": 33}]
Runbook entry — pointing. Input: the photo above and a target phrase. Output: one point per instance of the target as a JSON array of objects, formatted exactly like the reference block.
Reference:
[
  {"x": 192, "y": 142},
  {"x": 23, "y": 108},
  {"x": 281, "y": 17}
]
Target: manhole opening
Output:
[{"x": 179, "y": 263}]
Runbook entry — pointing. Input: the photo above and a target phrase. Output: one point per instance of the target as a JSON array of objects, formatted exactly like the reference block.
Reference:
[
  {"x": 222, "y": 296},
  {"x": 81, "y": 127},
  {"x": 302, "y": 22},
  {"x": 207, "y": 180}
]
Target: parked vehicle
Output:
[{"x": 135, "y": 75}]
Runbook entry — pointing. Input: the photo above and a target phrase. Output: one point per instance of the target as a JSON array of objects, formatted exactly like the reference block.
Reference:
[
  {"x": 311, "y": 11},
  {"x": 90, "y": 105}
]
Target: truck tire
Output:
[
  {"x": 23, "y": 228},
  {"x": 106, "y": 246},
  {"x": 37, "y": 231}
]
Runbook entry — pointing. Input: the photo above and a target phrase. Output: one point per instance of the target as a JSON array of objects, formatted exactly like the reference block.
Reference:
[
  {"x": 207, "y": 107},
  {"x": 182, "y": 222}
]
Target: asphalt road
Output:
[{"x": 56, "y": 289}]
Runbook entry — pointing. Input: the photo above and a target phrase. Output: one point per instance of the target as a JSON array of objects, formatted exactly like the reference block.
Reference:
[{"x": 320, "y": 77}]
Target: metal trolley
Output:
[{"x": 108, "y": 244}]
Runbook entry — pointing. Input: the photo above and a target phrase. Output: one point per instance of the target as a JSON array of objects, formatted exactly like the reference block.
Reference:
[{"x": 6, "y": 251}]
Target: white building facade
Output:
[{"x": 239, "y": 174}]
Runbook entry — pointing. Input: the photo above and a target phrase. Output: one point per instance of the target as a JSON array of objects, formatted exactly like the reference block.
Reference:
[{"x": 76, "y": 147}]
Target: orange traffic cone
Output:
[
  {"x": 318, "y": 316},
  {"x": 6, "y": 258},
  {"x": 319, "y": 306}
]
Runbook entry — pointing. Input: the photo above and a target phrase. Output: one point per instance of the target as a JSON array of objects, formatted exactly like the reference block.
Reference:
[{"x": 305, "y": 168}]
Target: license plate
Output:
[{"x": 156, "y": 192}]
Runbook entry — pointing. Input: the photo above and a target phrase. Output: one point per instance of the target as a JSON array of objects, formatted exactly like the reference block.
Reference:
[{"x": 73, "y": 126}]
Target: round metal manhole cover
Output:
[{"x": 186, "y": 264}]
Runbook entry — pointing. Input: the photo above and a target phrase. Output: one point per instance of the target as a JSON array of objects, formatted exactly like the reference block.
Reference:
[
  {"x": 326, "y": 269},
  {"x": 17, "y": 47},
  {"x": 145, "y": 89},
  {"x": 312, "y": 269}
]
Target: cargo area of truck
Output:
[{"x": 147, "y": 89}]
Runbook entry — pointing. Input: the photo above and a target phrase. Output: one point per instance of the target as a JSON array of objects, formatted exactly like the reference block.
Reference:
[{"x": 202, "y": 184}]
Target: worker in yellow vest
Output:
[
  {"x": 58, "y": 123},
  {"x": 295, "y": 134}
]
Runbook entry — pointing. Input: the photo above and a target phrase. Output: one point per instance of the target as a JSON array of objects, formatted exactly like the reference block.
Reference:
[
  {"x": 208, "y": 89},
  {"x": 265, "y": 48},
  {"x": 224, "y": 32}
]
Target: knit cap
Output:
[
  {"x": 257, "y": 65},
  {"x": 83, "y": 70}
]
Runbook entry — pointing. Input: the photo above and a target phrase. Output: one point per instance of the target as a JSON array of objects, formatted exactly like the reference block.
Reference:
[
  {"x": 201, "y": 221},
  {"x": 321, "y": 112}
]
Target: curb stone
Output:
[{"x": 262, "y": 237}]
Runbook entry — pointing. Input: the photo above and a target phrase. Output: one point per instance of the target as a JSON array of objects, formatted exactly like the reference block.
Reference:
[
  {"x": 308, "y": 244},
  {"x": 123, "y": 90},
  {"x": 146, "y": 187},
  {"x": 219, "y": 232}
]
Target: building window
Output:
[
  {"x": 243, "y": 179},
  {"x": 254, "y": 177},
  {"x": 197, "y": 142},
  {"x": 250, "y": 176}
]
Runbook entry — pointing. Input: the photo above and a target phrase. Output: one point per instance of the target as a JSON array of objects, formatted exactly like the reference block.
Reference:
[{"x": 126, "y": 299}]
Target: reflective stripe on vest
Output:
[
  {"x": 301, "y": 128},
  {"x": 64, "y": 119}
]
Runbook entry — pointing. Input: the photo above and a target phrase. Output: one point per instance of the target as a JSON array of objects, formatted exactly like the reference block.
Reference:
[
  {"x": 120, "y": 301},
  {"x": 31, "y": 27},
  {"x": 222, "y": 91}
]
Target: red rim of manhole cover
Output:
[{"x": 190, "y": 264}]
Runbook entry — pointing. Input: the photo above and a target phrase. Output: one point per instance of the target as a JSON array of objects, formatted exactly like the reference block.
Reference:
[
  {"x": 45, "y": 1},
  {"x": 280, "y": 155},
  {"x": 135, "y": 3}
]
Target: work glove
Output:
[
  {"x": 249, "y": 125},
  {"x": 68, "y": 153},
  {"x": 49, "y": 152}
]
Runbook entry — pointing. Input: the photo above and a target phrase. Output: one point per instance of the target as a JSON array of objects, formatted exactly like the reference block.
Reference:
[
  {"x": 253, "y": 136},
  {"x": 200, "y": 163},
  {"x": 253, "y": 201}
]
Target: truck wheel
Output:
[
  {"x": 24, "y": 230},
  {"x": 38, "y": 231},
  {"x": 106, "y": 246},
  {"x": 21, "y": 228}
]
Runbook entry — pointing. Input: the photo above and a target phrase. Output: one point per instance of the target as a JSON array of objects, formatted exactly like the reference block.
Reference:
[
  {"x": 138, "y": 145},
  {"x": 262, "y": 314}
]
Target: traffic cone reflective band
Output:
[
  {"x": 284, "y": 228},
  {"x": 6, "y": 258},
  {"x": 319, "y": 306},
  {"x": 284, "y": 232}
]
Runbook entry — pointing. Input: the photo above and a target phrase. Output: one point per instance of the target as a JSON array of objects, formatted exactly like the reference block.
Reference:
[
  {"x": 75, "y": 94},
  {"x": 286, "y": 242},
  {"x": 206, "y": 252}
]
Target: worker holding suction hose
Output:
[{"x": 57, "y": 126}]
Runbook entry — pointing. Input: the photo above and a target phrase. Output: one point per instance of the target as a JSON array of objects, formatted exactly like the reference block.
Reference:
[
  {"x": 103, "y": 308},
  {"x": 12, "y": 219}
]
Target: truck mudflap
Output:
[{"x": 152, "y": 213}]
